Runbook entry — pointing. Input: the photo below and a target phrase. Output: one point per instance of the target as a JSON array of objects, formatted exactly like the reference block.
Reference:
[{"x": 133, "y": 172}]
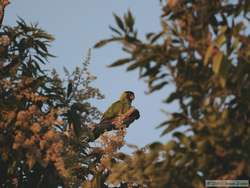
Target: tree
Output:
[
  {"x": 203, "y": 50},
  {"x": 37, "y": 107},
  {"x": 47, "y": 122}
]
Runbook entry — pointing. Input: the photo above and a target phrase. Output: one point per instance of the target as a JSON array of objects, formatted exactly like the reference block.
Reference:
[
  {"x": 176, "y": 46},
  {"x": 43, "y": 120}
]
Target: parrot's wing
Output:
[{"x": 112, "y": 111}]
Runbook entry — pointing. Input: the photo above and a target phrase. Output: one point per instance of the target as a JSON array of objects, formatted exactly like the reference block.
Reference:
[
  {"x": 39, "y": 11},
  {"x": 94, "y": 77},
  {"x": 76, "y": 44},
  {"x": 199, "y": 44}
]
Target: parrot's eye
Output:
[{"x": 132, "y": 97}]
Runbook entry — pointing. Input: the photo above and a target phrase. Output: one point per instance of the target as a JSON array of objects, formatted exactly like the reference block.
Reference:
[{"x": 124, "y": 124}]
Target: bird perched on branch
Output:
[
  {"x": 120, "y": 111},
  {"x": 3, "y": 4},
  {"x": 119, "y": 107}
]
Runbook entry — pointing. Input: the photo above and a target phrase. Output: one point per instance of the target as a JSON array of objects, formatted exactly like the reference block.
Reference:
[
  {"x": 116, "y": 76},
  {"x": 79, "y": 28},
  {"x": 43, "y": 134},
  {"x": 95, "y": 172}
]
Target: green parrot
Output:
[{"x": 119, "y": 107}]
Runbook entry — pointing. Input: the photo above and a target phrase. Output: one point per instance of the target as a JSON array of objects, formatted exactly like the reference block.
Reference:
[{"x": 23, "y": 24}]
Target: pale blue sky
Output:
[{"x": 77, "y": 25}]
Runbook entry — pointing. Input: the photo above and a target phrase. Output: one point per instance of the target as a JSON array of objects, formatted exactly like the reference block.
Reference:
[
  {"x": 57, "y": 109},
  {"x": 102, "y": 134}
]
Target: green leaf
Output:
[
  {"x": 170, "y": 127},
  {"x": 115, "y": 30},
  {"x": 121, "y": 62},
  {"x": 133, "y": 66},
  {"x": 40, "y": 59},
  {"x": 75, "y": 120},
  {"x": 43, "y": 35},
  {"x": 38, "y": 67},
  {"x": 217, "y": 59},
  {"x": 129, "y": 20},
  {"x": 173, "y": 96},
  {"x": 119, "y": 22},
  {"x": 41, "y": 45},
  {"x": 155, "y": 37},
  {"x": 208, "y": 54},
  {"x": 158, "y": 86},
  {"x": 70, "y": 87},
  {"x": 104, "y": 42},
  {"x": 220, "y": 39}
]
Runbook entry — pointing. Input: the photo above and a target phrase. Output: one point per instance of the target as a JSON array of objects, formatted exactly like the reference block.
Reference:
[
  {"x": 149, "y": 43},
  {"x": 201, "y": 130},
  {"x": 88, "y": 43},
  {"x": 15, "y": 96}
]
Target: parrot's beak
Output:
[{"x": 132, "y": 97}]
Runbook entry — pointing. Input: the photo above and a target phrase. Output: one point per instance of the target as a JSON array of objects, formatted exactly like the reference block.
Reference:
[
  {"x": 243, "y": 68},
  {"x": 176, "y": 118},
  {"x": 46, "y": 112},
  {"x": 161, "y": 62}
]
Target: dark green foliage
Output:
[{"x": 203, "y": 50}]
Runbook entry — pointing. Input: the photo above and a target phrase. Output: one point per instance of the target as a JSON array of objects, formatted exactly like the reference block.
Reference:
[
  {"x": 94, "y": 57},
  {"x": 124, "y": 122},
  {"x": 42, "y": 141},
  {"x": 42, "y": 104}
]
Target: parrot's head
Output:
[{"x": 130, "y": 95}]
